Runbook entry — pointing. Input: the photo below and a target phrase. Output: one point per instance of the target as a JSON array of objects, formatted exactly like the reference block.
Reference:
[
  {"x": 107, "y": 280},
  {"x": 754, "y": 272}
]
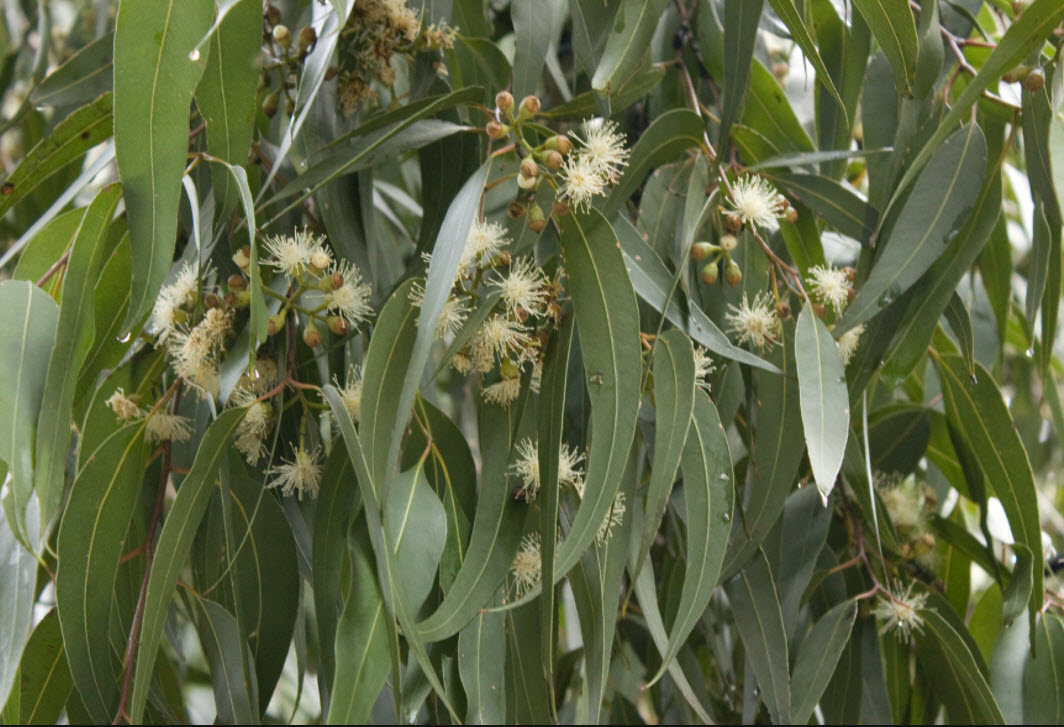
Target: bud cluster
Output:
[{"x": 286, "y": 54}]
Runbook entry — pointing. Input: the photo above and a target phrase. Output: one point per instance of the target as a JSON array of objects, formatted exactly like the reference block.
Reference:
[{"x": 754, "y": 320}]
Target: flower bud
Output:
[
  {"x": 1018, "y": 6},
  {"x": 702, "y": 250},
  {"x": 733, "y": 222},
  {"x": 515, "y": 210},
  {"x": 728, "y": 243},
  {"x": 791, "y": 215},
  {"x": 559, "y": 208},
  {"x": 275, "y": 324},
  {"x": 312, "y": 336},
  {"x": 527, "y": 183},
  {"x": 1035, "y": 81},
  {"x": 509, "y": 369},
  {"x": 504, "y": 101},
  {"x": 273, "y": 15},
  {"x": 851, "y": 293},
  {"x": 1016, "y": 74},
  {"x": 319, "y": 260},
  {"x": 819, "y": 310},
  {"x": 495, "y": 129},
  {"x": 850, "y": 273},
  {"x": 271, "y": 103},
  {"x": 282, "y": 36},
  {"x": 337, "y": 325},
  {"x": 559, "y": 143},
  {"x": 211, "y": 300},
  {"x": 529, "y": 168},
  {"x": 530, "y": 105},
  {"x": 536, "y": 220},
  {"x": 780, "y": 69},
  {"x": 230, "y": 299},
  {"x": 236, "y": 282},
  {"x": 243, "y": 299},
  {"x": 553, "y": 160},
  {"x": 733, "y": 274},
  {"x": 242, "y": 257},
  {"x": 709, "y": 274},
  {"x": 783, "y": 310},
  {"x": 307, "y": 36},
  {"x": 336, "y": 280}
]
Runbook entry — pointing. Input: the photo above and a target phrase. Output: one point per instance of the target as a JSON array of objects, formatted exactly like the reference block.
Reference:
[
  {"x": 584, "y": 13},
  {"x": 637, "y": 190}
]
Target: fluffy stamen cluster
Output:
[
  {"x": 900, "y": 613},
  {"x": 161, "y": 426},
  {"x": 756, "y": 202},
  {"x": 592, "y": 168},
  {"x": 527, "y": 565},
  {"x": 848, "y": 341},
  {"x": 350, "y": 299},
  {"x": 524, "y": 288},
  {"x": 351, "y": 392},
  {"x": 168, "y": 313},
  {"x": 293, "y": 254},
  {"x": 300, "y": 475},
  {"x": 375, "y": 30},
  {"x": 613, "y": 519},
  {"x": 195, "y": 354},
  {"x": 704, "y": 366},
  {"x": 831, "y": 286},
  {"x": 527, "y": 468},
  {"x": 754, "y": 321},
  {"x": 251, "y": 432}
]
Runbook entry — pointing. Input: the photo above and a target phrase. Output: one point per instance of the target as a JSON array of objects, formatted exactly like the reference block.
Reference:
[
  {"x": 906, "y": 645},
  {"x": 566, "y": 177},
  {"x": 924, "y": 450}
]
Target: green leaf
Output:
[
  {"x": 71, "y": 138},
  {"x": 73, "y": 338},
  {"x": 1043, "y": 677},
  {"x": 670, "y": 134},
  {"x": 44, "y": 676},
  {"x": 893, "y": 26},
  {"x": 708, "y": 495},
  {"x": 801, "y": 35},
  {"x": 674, "y": 403},
  {"x": 817, "y": 657},
  {"x": 361, "y": 640},
  {"x": 18, "y": 576},
  {"x": 416, "y": 527},
  {"x": 824, "y": 398},
  {"x": 530, "y": 45},
  {"x": 945, "y": 192},
  {"x": 446, "y": 254},
  {"x": 91, "y": 542},
  {"x": 769, "y": 125},
  {"x": 961, "y": 324},
  {"x": 741, "y": 18},
  {"x": 803, "y": 530},
  {"x": 27, "y": 335},
  {"x": 592, "y": 21},
  {"x": 777, "y": 454},
  {"x": 1026, "y": 33},
  {"x": 154, "y": 81},
  {"x": 175, "y": 541},
  {"x": 46, "y": 247},
  {"x": 226, "y": 95},
  {"x": 756, "y": 607},
  {"x": 626, "y": 45},
  {"x": 979, "y": 413},
  {"x": 954, "y": 665},
  {"x": 481, "y": 664},
  {"x": 86, "y": 75},
  {"x": 1011, "y": 649},
  {"x": 836, "y": 204},
  {"x": 226, "y": 652},
  {"x": 653, "y": 283}
]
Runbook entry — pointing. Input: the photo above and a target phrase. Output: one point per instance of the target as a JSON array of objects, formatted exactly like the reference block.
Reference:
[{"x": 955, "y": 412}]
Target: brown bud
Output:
[
  {"x": 307, "y": 36},
  {"x": 230, "y": 298},
  {"x": 733, "y": 222},
  {"x": 728, "y": 243},
  {"x": 1035, "y": 81},
  {"x": 733, "y": 274},
  {"x": 1016, "y": 74},
  {"x": 236, "y": 281},
  {"x": 312, "y": 337},
  {"x": 850, "y": 273},
  {"x": 709, "y": 273},
  {"x": 504, "y": 101},
  {"x": 851, "y": 293},
  {"x": 780, "y": 69},
  {"x": 331, "y": 73},
  {"x": 505, "y": 258},
  {"x": 791, "y": 215},
  {"x": 271, "y": 103},
  {"x": 561, "y": 143},
  {"x": 819, "y": 310},
  {"x": 515, "y": 210},
  {"x": 559, "y": 208},
  {"x": 701, "y": 250},
  {"x": 783, "y": 310},
  {"x": 211, "y": 300},
  {"x": 276, "y": 324},
  {"x": 536, "y": 220},
  {"x": 273, "y": 15},
  {"x": 1019, "y": 6},
  {"x": 553, "y": 160},
  {"x": 537, "y": 225},
  {"x": 521, "y": 314},
  {"x": 529, "y": 168},
  {"x": 495, "y": 129},
  {"x": 530, "y": 105},
  {"x": 337, "y": 280},
  {"x": 337, "y": 325}
]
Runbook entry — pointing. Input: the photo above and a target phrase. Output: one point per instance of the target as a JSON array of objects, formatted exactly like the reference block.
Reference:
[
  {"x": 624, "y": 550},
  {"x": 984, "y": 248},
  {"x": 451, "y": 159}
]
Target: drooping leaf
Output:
[
  {"x": 44, "y": 677},
  {"x": 817, "y": 657},
  {"x": 85, "y": 76},
  {"x": 741, "y": 19},
  {"x": 18, "y": 575},
  {"x": 893, "y": 26},
  {"x": 154, "y": 81},
  {"x": 626, "y": 44},
  {"x": 530, "y": 46},
  {"x": 481, "y": 662},
  {"x": 227, "y": 652}
]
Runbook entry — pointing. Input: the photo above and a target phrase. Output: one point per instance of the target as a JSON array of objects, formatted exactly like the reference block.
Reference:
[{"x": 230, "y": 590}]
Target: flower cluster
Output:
[
  {"x": 900, "y": 612},
  {"x": 527, "y": 469},
  {"x": 160, "y": 426},
  {"x": 909, "y": 503},
  {"x": 754, "y": 201},
  {"x": 755, "y": 321}
]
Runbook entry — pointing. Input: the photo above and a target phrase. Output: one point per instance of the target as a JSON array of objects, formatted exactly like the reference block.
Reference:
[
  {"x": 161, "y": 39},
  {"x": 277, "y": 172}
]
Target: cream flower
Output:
[
  {"x": 755, "y": 201},
  {"x": 302, "y": 474},
  {"x": 900, "y": 612},
  {"x": 455, "y": 310},
  {"x": 504, "y": 392},
  {"x": 524, "y": 287},
  {"x": 485, "y": 241},
  {"x": 704, "y": 366},
  {"x": 604, "y": 148},
  {"x": 351, "y": 392},
  {"x": 754, "y": 322},
  {"x": 613, "y": 519},
  {"x": 124, "y": 407},
  {"x": 166, "y": 315},
  {"x": 527, "y": 468},
  {"x": 163, "y": 426},
  {"x": 496, "y": 337},
  {"x": 582, "y": 181},
  {"x": 830, "y": 286},
  {"x": 350, "y": 299},
  {"x": 848, "y": 341},
  {"x": 252, "y": 430},
  {"x": 292, "y": 253},
  {"x": 527, "y": 565}
]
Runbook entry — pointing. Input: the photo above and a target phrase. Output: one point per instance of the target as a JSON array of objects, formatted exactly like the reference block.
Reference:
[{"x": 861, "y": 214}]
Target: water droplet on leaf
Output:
[{"x": 194, "y": 55}]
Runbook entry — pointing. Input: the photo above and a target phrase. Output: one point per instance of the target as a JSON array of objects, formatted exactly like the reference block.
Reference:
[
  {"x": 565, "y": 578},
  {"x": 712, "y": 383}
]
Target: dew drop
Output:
[
  {"x": 1030, "y": 352},
  {"x": 841, "y": 380},
  {"x": 194, "y": 55},
  {"x": 724, "y": 477},
  {"x": 726, "y": 517},
  {"x": 125, "y": 338}
]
